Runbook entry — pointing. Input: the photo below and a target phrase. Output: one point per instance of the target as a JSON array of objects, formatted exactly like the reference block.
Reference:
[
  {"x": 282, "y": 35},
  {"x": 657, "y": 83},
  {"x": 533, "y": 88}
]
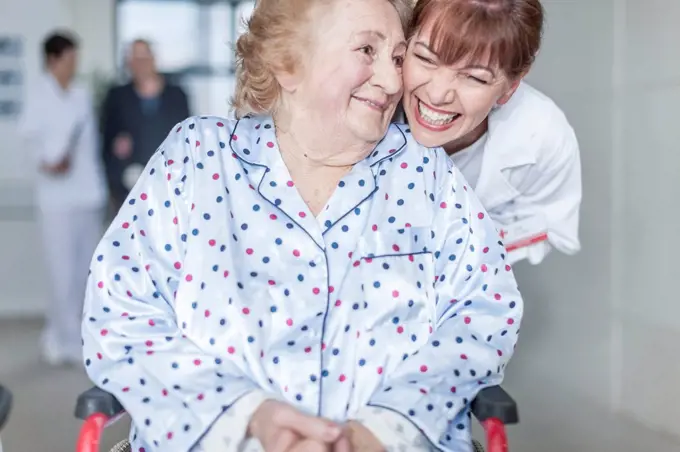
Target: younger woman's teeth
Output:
[{"x": 434, "y": 117}]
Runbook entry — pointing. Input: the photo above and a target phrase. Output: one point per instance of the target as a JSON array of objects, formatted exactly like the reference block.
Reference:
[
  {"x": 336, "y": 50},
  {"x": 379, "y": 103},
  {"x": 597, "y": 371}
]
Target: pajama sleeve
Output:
[{"x": 133, "y": 346}]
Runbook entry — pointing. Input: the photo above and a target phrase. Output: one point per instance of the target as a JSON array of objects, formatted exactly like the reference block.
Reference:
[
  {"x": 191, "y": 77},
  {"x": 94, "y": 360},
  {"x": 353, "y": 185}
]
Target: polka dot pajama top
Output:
[{"x": 215, "y": 284}]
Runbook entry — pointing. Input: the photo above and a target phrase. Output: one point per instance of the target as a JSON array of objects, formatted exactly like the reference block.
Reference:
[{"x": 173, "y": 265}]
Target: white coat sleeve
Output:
[
  {"x": 478, "y": 311},
  {"x": 554, "y": 192},
  {"x": 133, "y": 346}
]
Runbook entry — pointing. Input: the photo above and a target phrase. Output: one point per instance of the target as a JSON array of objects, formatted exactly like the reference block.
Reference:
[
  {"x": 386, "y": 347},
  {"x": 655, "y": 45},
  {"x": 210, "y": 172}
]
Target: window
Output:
[{"x": 193, "y": 41}]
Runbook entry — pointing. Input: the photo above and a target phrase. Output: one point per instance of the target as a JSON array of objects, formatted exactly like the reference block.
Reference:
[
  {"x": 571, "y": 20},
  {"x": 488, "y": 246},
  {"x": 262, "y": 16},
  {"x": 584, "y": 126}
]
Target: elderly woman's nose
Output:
[{"x": 388, "y": 77}]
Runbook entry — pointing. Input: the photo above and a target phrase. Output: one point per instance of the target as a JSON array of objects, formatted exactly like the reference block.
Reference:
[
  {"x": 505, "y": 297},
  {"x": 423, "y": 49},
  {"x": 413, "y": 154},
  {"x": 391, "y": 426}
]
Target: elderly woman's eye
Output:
[
  {"x": 368, "y": 50},
  {"x": 399, "y": 61}
]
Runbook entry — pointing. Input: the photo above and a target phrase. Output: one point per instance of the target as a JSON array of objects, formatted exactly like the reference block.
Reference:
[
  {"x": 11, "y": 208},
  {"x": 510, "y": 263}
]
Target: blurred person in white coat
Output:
[
  {"x": 59, "y": 127},
  {"x": 464, "y": 90}
]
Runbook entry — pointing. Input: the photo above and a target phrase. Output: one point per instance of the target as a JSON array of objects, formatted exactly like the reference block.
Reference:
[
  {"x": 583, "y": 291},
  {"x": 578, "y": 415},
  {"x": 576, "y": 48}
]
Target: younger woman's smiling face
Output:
[{"x": 445, "y": 103}]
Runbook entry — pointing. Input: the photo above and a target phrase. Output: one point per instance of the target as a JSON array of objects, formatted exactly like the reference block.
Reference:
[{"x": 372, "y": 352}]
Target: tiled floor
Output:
[{"x": 42, "y": 420}]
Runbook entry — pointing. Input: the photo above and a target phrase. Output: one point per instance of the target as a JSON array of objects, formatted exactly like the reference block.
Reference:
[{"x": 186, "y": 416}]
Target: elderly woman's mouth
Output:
[{"x": 374, "y": 104}]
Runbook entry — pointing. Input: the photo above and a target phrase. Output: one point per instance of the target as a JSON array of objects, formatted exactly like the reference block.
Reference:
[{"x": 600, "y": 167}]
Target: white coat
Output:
[
  {"x": 528, "y": 176},
  {"x": 59, "y": 125}
]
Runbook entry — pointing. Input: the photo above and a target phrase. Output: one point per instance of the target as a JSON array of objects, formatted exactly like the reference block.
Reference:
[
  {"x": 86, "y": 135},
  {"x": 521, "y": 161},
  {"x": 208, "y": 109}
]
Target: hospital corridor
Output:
[{"x": 596, "y": 367}]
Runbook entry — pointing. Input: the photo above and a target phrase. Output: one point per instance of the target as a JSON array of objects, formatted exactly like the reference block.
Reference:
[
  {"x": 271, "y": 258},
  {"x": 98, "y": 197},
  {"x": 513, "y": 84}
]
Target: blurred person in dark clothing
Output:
[{"x": 136, "y": 117}]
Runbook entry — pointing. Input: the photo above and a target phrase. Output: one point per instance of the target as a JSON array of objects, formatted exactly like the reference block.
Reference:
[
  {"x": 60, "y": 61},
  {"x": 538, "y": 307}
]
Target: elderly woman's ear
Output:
[{"x": 288, "y": 80}]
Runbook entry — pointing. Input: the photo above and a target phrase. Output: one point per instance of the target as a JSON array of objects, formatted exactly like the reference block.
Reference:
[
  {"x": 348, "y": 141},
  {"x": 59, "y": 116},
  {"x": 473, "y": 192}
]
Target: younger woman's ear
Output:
[{"x": 508, "y": 94}]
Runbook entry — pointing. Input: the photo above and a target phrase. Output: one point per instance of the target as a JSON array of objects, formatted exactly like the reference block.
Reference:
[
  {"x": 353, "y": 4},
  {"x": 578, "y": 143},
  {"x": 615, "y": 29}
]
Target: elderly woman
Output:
[{"x": 309, "y": 276}]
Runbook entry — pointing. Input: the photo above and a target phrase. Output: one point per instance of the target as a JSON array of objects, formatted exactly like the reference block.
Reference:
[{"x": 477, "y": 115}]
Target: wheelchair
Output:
[
  {"x": 5, "y": 407},
  {"x": 493, "y": 408}
]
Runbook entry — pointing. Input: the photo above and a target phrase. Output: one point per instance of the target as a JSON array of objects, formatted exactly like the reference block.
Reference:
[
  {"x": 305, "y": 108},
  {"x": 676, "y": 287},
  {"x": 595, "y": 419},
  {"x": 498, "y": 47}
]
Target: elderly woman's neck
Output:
[
  {"x": 316, "y": 164},
  {"x": 315, "y": 148}
]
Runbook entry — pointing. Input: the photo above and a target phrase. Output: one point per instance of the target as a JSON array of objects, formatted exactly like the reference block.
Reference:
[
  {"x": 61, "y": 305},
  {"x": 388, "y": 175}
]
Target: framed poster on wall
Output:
[{"x": 11, "y": 76}]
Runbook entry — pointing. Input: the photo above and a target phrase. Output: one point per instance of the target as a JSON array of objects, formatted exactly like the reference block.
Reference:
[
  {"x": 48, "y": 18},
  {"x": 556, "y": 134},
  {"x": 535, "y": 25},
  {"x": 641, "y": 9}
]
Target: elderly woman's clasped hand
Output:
[{"x": 281, "y": 428}]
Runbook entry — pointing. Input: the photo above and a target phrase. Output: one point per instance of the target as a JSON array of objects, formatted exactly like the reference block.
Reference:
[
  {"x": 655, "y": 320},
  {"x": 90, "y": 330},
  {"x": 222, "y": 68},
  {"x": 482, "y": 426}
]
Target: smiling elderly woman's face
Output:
[{"x": 338, "y": 68}]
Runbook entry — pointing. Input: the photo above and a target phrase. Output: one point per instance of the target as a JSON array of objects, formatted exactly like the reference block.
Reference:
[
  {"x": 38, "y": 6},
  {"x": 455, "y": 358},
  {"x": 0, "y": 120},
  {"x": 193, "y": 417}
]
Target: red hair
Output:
[{"x": 507, "y": 32}]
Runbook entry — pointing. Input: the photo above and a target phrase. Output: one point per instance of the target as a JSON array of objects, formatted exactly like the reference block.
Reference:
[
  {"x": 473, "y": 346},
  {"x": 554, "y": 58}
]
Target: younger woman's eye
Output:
[
  {"x": 424, "y": 58},
  {"x": 477, "y": 80}
]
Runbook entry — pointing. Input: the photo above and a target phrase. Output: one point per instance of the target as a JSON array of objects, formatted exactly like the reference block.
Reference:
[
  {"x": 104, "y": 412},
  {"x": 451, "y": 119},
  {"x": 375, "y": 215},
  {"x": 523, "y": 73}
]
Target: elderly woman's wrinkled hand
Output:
[{"x": 281, "y": 428}]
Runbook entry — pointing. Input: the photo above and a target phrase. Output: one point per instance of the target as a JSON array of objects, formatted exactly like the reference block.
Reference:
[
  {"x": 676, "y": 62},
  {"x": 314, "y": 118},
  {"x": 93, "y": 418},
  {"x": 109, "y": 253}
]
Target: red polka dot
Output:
[
  {"x": 400, "y": 329},
  {"x": 220, "y": 124},
  {"x": 189, "y": 278},
  {"x": 480, "y": 215},
  {"x": 178, "y": 265},
  {"x": 290, "y": 183},
  {"x": 143, "y": 196},
  {"x": 468, "y": 320},
  {"x": 289, "y": 322},
  {"x": 497, "y": 296},
  {"x": 308, "y": 349},
  {"x": 234, "y": 137},
  {"x": 104, "y": 332},
  {"x": 342, "y": 378},
  {"x": 316, "y": 291},
  {"x": 216, "y": 176},
  {"x": 395, "y": 293},
  {"x": 296, "y": 253},
  {"x": 231, "y": 350},
  {"x": 197, "y": 362},
  {"x": 246, "y": 311},
  {"x": 380, "y": 370},
  {"x": 423, "y": 368},
  {"x": 443, "y": 205},
  {"x": 270, "y": 144},
  {"x": 249, "y": 251},
  {"x": 126, "y": 225},
  {"x": 212, "y": 242},
  {"x": 404, "y": 165},
  {"x": 484, "y": 268}
]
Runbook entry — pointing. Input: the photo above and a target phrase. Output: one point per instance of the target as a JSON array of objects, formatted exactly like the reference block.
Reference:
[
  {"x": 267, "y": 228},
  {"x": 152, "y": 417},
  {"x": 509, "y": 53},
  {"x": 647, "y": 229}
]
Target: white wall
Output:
[
  {"x": 22, "y": 283},
  {"x": 602, "y": 328}
]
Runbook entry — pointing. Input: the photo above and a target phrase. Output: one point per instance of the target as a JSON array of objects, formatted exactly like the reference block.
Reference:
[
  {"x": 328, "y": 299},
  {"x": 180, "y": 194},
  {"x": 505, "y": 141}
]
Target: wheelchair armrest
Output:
[
  {"x": 96, "y": 400},
  {"x": 5, "y": 405},
  {"x": 494, "y": 402}
]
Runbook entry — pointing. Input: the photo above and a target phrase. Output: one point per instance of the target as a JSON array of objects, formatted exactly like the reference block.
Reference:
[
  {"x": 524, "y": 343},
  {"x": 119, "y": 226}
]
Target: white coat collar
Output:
[{"x": 512, "y": 141}]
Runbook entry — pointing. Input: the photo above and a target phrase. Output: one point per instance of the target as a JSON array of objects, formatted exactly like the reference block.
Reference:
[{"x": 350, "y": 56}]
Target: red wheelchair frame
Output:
[{"x": 493, "y": 407}]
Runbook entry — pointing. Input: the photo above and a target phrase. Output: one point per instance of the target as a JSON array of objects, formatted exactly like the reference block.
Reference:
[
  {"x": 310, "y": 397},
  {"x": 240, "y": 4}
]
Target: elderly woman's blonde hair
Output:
[{"x": 270, "y": 45}]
